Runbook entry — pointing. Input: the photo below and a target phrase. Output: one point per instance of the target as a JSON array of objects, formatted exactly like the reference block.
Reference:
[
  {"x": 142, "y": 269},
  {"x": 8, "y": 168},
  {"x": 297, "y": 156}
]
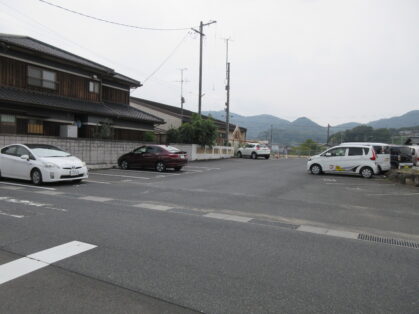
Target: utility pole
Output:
[
  {"x": 201, "y": 36},
  {"x": 271, "y": 136},
  {"x": 182, "y": 99},
  {"x": 328, "y": 133},
  {"x": 227, "y": 108}
]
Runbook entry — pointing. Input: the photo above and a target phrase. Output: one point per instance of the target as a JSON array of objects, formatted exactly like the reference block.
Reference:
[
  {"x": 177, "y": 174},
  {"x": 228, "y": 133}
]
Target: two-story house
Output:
[
  {"x": 47, "y": 91},
  {"x": 175, "y": 116}
]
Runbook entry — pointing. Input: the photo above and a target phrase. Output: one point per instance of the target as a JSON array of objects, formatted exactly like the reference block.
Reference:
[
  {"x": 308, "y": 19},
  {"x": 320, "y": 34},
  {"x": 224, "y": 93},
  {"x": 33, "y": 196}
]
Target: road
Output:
[{"x": 229, "y": 236}]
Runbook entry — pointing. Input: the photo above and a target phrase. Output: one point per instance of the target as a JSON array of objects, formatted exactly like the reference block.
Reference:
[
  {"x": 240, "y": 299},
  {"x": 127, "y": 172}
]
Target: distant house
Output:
[
  {"x": 48, "y": 91},
  {"x": 413, "y": 140},
  {"x": 175, "y": 116}
]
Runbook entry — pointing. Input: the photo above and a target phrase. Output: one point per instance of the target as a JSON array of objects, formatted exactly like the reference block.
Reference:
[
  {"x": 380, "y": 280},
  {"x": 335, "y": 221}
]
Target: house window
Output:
[
  {"x": 94, "y": 87},
  {"x": 41, "y": 78},
  {"x": 7, "y": 123},
  {"x": 35, "y": 127}
]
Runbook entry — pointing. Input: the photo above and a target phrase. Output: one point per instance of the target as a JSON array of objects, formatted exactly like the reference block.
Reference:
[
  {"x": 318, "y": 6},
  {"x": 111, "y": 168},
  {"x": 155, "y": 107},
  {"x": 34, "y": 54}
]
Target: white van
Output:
[
  {"x": 352, "y": 159},
  {"x": 415, "y": 155},
  {"x": 382, "y": 151}
]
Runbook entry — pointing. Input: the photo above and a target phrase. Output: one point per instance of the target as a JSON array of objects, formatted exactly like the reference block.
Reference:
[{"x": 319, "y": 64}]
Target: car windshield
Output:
[
  {"x": 172, "y": 149},
  {"x": 47, "y": 151}
]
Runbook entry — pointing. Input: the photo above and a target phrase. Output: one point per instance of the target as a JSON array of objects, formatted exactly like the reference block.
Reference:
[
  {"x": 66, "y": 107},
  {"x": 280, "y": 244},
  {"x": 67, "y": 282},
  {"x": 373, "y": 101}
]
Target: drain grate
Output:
[{"x": 373, "y": 238}]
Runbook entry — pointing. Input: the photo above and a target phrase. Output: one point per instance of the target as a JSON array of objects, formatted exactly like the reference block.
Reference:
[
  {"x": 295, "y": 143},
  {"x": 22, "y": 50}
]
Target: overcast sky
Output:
[{"x": 332, "y": 61}]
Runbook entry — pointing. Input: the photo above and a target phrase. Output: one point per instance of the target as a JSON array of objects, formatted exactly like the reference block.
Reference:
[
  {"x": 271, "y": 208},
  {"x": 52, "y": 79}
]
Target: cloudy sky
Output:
[{"x": 333, "y": 61}]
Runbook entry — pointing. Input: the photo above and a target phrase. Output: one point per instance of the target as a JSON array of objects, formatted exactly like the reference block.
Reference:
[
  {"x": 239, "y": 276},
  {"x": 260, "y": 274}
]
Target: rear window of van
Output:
[{"x": 381, "y": 150}]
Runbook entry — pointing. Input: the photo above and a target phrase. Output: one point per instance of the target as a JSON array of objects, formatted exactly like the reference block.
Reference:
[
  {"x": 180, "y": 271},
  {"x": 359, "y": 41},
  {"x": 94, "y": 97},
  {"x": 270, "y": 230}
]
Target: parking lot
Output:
[{"x": 163, "y": 242}]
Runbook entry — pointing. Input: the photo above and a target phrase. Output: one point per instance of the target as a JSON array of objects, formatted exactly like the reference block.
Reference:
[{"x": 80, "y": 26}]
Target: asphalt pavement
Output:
[{"x": 228, "y": 236}]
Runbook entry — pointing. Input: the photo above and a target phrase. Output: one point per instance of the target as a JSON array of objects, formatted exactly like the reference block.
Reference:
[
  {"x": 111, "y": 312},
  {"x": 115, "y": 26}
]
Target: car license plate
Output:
[
  {"x": 74, "y": 172},
  {"x": 182, "y": 156}
]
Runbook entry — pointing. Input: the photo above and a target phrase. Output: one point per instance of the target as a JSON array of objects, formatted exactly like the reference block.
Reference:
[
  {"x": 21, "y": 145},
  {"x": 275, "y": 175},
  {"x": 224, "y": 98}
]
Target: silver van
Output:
[{"x": 382, "y": 151}]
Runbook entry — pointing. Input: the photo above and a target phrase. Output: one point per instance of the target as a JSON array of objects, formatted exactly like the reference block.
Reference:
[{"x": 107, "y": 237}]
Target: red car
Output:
[{"x": 157, "y": 157}]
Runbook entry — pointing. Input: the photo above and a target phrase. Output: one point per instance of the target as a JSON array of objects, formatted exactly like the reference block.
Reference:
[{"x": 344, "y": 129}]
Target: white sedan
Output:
[{"x": 40, "y": 163}]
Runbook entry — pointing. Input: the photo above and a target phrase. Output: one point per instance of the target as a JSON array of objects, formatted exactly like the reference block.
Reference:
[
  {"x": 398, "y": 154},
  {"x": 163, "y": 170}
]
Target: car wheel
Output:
[
  {"x": 239, "y": 154},
  {"x": 36, "y": 177},
  {"x": 124, "y": 165},
  {"x": 267, "y": 156},
  {"x": 366, "y": 172},
  {"x": 254, "y": 156},
  {"x": 316, "y": 169},
  {"x": 178, "y": 168},
  {"x": 160, "y": 166}
]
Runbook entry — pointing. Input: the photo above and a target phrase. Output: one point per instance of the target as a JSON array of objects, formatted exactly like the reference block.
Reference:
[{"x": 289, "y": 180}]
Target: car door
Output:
[
  {"x": 6, "y": 163},
  {"x": 355, "y": 158},
  {"x": 23, "y": 166},
  {"x": 150, "y": 156},
  {"x": 248, "y": 149},
  {"x": 334, "y": 160},
  {"x": 135, "y": 159}
]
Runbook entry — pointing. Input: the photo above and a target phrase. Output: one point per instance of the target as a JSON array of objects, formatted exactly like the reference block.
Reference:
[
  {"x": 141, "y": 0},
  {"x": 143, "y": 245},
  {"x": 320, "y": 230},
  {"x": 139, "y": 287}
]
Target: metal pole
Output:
[
  {"x": 228, "y": 104},
  {"x": 201, "y": 35}
]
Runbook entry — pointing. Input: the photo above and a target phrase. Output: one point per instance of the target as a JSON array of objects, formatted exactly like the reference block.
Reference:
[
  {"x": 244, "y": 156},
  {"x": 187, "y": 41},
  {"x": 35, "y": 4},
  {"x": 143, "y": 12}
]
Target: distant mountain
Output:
[
  {"x": 409, "y": 119},
  {"x": 295, "y": 132}
]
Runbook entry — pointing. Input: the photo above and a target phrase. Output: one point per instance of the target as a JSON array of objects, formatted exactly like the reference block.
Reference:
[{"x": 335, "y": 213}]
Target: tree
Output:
[
  {"x": 198, "y": 131},
  {"x": 149, "y": 136}
]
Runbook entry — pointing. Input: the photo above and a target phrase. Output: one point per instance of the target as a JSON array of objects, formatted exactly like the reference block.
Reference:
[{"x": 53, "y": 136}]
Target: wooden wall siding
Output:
[
  {"x": 14, "y": 73},
  {"x": 116, "y": 96}
]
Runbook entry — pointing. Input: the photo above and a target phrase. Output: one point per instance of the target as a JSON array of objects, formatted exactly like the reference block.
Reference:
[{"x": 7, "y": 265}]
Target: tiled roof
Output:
[
  {"x": 39, "y": 46},
  {"x": 74, "y": 105},
  {"x": 177, "y": 111}
]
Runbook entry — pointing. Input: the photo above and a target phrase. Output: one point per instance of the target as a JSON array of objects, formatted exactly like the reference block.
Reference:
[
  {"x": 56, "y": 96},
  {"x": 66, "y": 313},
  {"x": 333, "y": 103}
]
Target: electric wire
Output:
[{"x": 112, "y": 22}]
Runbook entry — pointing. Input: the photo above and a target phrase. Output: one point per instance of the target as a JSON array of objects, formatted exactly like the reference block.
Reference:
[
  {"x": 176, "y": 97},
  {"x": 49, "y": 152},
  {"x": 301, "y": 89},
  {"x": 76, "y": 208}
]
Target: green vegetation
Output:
[
  {"x": 149, "y": 136},
  {"x": 308, "y": 148},
  {"x": 197, "y": 131},
  {"x": 364, "y": 133}
]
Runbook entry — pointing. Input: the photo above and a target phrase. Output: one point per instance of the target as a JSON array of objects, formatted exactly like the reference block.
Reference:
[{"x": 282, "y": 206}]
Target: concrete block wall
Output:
[{"x": 105, "y": 153}]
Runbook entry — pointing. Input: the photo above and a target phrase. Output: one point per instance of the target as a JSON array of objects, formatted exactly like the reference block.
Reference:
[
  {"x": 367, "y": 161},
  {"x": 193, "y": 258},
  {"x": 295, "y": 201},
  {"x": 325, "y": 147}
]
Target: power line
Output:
[
  {"x": 112, "y": 22},
  {"x": 167, "y": 58}
]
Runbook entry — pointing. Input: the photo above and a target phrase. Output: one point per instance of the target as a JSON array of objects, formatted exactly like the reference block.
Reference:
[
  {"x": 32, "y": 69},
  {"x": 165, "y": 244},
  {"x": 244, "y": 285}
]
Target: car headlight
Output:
[
  {"x": 83, "y": 164},
  {"x": 51, "y": 165}
]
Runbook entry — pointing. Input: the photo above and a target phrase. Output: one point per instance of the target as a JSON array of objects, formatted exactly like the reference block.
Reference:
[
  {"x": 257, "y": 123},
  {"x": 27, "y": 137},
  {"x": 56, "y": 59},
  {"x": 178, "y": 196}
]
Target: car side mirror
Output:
[
  {"x": 24, "y": 157},
  {"x": 328, "y": 154}
]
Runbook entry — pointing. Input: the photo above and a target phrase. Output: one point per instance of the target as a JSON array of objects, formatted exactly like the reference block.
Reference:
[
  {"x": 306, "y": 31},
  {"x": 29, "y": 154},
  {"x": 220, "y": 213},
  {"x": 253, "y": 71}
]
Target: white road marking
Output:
[
  {"x": 329, "y": 232},
  {"x": 26, "y": 265},
  {"x": 117, "y": 175},
  {"x": 11, "y": 187},
  {"x": 10, "y": 215},
  {"x": 228, "y": 217},
  {"x": 329, "y": 180},
  {"x": 194, "y": 171},
  {"x": 208, "y": 168},
  {"x": 145, "y": 171},
  {"x": 95, "y": 198},
  {"x": 394, "y": 194},
  {"x": 153, "y": 206},
  {"x": 50, "y": 192},
  {"x": 24, "y": 202},
  {"x": 100, "y": 182},
  {"x": 29, "y": 186}
]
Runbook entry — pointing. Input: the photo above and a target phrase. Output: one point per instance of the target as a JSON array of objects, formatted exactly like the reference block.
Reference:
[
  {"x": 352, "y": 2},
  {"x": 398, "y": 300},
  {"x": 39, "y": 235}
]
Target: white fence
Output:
[{"x": 105, "y": 153}]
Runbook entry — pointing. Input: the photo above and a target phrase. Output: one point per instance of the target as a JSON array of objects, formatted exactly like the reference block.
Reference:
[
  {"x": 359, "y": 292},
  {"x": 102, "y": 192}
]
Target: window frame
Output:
[
  {"x": 42, "y": 81},
  {"x": 94, "y": 87}
]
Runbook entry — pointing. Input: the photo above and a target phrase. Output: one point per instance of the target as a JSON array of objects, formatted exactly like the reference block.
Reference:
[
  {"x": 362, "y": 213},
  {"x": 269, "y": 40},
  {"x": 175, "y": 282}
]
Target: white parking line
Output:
[
  {"x": 228, "y": 217},
  {"x": 100, "y": 182},
  {"x": 50, "y": 192},
  {"x": 29, "y": 186},
  {"x": 153, "y": 206},
  {"x": 11, "y": 187},
  {"x": 393, "y": 194},
  {"x": 10, "y": 215},
  {"x": 145, "y": 171},
  {"x": 117, "y": 175},
  {"x": 26, "y": 265},
  {"x": 95, "y": 198},
  {"x": 329, "y": 232},
  {"x": 208, "y": 168}
]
